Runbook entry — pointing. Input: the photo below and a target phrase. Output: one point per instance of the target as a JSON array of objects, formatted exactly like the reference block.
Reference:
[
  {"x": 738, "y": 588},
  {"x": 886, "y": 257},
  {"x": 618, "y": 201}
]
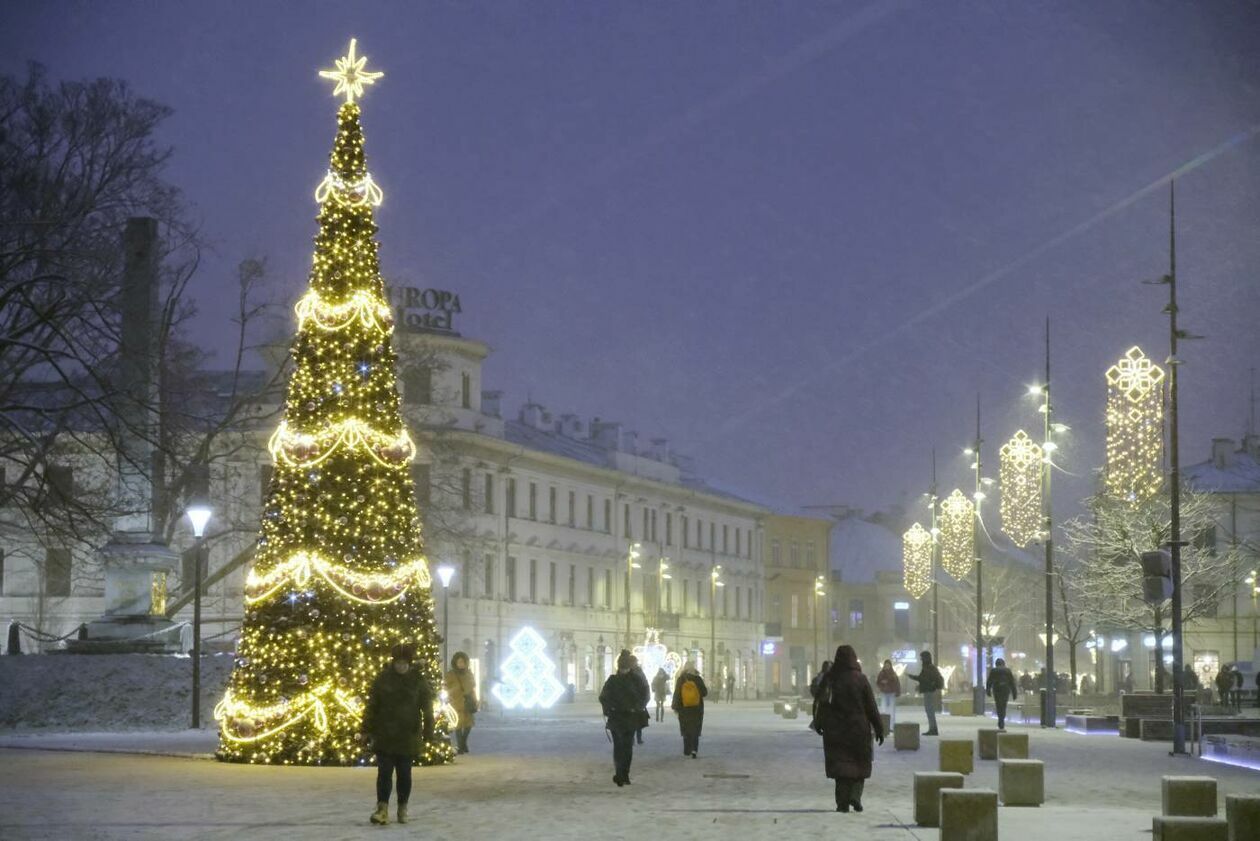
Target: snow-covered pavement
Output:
[{"x": 758, "y": 776}]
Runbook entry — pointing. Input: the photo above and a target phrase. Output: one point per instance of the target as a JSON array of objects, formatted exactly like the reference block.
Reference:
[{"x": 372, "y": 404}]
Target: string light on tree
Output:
[
  {"x": 339, "y": 576},
  {"x": 1135, "y": 427},
  {"x": 916, "y": 549},
  {"x": 958, "y": 524},
  {"x": 1020, "y": 474}
]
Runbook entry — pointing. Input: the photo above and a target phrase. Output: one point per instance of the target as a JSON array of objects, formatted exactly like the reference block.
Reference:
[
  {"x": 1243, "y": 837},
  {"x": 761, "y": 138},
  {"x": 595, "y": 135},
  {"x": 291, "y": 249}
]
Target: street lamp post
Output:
[
  {"x": 715, "y": 581},
  {"x": 977, "y": 687},
  {"x": 819, "y": 593},
  {"x": 1048, "y": 711},
  {"x": 661, "y": 577},
  {"x": 445, "y": 573},
  {"x": 198, "y": 515},
  {"x": 632, "y": 563},
  {"x": 934, "y": 501}
]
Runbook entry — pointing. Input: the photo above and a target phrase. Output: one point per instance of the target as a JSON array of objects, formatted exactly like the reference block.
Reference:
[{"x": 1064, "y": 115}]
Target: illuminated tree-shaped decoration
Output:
[
  {"x": 529, "y": 676},
  {"x": 1022, "y": 461},
  {"x": 958, "y": 534},
  {"x": 339, "y": 576},
  {"x": 1135, "y": 427},
  {"x": 916, "y": 550}
]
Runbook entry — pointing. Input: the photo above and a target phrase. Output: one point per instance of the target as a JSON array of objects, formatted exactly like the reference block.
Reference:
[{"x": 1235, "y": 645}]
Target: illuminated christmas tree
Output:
[{"x": 339, "y": 576}]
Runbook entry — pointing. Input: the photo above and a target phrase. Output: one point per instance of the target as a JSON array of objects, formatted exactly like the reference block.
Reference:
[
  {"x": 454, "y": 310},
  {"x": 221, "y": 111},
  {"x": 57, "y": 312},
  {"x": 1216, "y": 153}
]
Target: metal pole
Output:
[
  {"x": 1179, "y": 710},
  {"x": 629, "y": 561},
  {"x": 196, "y": 652},
  {"x": 936, "y": 574},
  {"x": 977, "y": 688},
  {"x": 1233, "y": 542},
  {"x": 1049, "y": 715},
  {"x": 712, "y": 611},
  {"x": 446, "y": 623}
]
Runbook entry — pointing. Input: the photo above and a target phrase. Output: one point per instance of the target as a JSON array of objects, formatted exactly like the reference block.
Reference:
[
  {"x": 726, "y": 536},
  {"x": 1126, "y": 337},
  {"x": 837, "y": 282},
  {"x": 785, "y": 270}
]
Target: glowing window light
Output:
[
  {"x": 529, "y": 676},
  {"x": 916, "y": 549},
  {"x": 1135, "y": 427},
  {"x": 958, "y": 530},
  {"x": 350, "y": 75},
  {"x": 1021, "y": 464}
]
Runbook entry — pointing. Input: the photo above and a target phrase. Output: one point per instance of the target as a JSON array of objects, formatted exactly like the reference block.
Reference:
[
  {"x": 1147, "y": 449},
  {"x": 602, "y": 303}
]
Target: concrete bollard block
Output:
[
  {"x": 956, "y": 756},
  {"x": 1242, "y": 812},
  {"x": 778, "y": 708},
  {"x": 1193, "y": 797},
  {"x": 969, "y": 814},
  {"x": 1022, "y": 782},
  {"x": 1180, "y": 828},
  {"x": 887, "y": 720},
  {"x": 1012, "y": 745},
  {"x": 960, "y": 707},
  {"x": 927, "y": 796},
  {"x": 906, "y": 735},
  {"x": 986, "y": 743}
]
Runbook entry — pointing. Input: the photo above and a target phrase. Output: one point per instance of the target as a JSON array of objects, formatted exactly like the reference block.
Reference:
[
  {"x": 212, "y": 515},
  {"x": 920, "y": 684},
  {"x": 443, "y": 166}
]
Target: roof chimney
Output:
[
  {"x": 1222, "y": 453},
  {"x": 535, "y": 416},
  {"x": 570, "y": 426},
  {"x": 606, "y": 434}
]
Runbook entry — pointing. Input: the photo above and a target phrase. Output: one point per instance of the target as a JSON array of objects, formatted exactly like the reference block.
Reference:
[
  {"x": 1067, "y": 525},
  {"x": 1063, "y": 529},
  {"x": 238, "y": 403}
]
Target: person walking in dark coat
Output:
[
  {"x": 846, "y": 715},
  {"x": 688, "y": 705},
  {"x": 637, "y": 671},
  {"x": 1000, "y": 686},
  {"x": 815, "y": 685},
  {"x": 399, "y": 711},
  {"x": 624, "y": 699},
  {"x": 930, "y": 685},
  {"x": 660, "y": 689}
]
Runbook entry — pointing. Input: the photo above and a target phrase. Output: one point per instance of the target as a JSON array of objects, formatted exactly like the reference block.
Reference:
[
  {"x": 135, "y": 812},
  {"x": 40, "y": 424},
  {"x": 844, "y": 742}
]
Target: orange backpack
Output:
[{"x": 690, "y": 693}]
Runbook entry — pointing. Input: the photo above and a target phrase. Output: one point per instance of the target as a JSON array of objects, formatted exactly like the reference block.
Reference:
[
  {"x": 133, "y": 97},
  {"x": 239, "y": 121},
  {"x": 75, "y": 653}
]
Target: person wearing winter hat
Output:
[
  {"x": 624, "y": 700},
  {"x": 461, "y": 694},
  {"x": 399, "y": 711}
]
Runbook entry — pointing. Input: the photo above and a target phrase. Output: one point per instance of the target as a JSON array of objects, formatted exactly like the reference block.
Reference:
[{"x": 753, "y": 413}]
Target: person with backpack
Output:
[
  {"x": 399, "y": 712},
  {"x": 930, "y": 685},
  {"x": 889, "y": 686},
  {"x": 846, "y": 717},
  {"x": 660, "y": 689},
  {"x": 688, "y": 705},
  {"x": 1000, "y": 685},
  {"x": 624, "y": 700}
]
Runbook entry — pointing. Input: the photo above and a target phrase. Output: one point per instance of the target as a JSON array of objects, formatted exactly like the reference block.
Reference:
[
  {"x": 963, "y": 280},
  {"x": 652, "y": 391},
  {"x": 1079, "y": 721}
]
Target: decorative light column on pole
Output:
[
  {"x": 1021, "y": 464},
  {"x": 715, "y": 581},
  {"x": 958, "y": 527},
  {"x": 632, "y": 563},
  {"x": 198, "y": 515},
  {"x": 916, "y": 555},
  {"x": 445, "y": 573},
  {"x": 820, "y": 592}
]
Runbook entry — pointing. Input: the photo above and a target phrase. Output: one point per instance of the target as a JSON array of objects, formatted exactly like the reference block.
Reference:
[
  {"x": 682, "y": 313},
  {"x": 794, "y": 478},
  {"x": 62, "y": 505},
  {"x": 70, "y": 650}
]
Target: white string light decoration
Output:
[
  {"x": 958, "y": 534},
  {"x": 916, "y": 550},
  {"x": 1022, "y": 460},
  {"x": 1135, "y": 427}
]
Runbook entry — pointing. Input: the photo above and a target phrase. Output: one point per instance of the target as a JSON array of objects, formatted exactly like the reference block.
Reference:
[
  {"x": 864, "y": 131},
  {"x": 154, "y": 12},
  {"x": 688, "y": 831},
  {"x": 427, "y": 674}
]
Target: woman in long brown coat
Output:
[
  {"x": 847, "y": 718},
  {"x": 461, "y": 691}
]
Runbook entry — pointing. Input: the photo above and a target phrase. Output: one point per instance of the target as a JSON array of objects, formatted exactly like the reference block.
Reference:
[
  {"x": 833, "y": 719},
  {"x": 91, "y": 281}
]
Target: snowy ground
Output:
[{"x": 758, "y": 776}]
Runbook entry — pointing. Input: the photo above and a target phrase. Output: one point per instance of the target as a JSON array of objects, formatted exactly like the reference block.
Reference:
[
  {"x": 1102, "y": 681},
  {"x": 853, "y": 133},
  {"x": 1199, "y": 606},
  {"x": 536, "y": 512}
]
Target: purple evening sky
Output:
[{"x": 795, "y": 238}]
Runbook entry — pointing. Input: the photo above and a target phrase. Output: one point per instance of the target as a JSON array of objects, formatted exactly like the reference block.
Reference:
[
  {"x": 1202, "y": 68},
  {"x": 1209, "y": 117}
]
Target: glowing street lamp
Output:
[
  {"x": 715, "y": 581},
  {"x": 445, "y": 573},
  {"x": 199, "y": 517},
  {"x": 632, "y": 563}
]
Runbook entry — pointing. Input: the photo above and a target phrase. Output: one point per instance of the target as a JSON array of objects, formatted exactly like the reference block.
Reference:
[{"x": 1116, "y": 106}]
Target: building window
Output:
[
  {"x": 488, "y": 590},
  {"x": 737, "y": 594},
  {"x": 796, "y": 609},
  {"x": 739, "y": 543},
  {"x": 465, "y": 489},
  {"x": 608, "y": 588},
  {"x": 654, "y": 539},
  {"x": 590, "y": 513},
  {"x": 488, "y": 502},
  {"x": 60, "y": 482},
  {"x": 901, "y": 620},
  {"x": 625, "y": 523},
  {"x": 699, "y": 533},
  {"x": 551, "y": 585},
  {"x": 533, "y": 500},
  {"x": 417, "y": 386},
  {"x": 647, "y": 532},
  {"x": 533, "y": 580},
  {"x": 855, "y": 614},
  {"x": 590, "y": 586},
  {"x": 1, "y": 560},
  {"x": 712, "y": 536},
  {"x": 608, "y": 516},
  {"x": 57, "y": 568},
  {"x": 686, "y": 535},
  {"x": 776, "y": 553},
  {"x": 465, "y": 390},
  {"x": 669, "y": 596},
  {"x": 726, "y": 539},
  {"x": 572, "y": 509},
  {"x": 725, "y": 600},
  {"x": 420, "y": 475},
  {"x": 748, "y": 549},
  {"x": 572, "y": 584},
  {"x": 686, "y": 596},
  {"x": 509, "y": 575},
  {"x": 669, "y": 529},
  {"x": 465, "y": 576},
  {"x": 810, "y": 559},
  {"x": 551, "y": 505},
  {"x": 750, "y": 603},
  {"x": 509, "y": 503},
  {"x": 794, "y": 554}
]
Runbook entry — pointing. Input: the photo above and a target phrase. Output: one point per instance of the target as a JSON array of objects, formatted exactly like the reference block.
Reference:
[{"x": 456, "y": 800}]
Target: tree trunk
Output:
[
  {"x": 1072, "y": 665},
  {"x": 1159, "y": 651}
]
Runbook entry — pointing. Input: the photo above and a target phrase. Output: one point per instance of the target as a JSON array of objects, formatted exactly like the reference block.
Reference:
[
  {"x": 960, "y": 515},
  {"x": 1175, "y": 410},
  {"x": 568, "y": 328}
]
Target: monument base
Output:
[{"x": 135, "y": 602}]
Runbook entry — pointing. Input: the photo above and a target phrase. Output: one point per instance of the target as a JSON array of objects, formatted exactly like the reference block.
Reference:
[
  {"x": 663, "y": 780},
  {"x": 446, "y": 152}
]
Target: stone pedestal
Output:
[
  {"x": 1189, "y": 796},
  {"x": 136, "y": 576},
  {"x": 927, "y": 796},
  {"x": 969, "y": 815},
  {"x": 956, "y": 756},
  {"x": 1242, "y": 811},
  {"x": 887, "y": 720},
  {"x": 906, "y": 735},
  {"x": 986, "y": 743},
  {"x": 1190, "y": 829},
  {"x": 1022, "y": 782},
  {"x": 962, "y": 706},
  {"x": 1012, "y": 745}
]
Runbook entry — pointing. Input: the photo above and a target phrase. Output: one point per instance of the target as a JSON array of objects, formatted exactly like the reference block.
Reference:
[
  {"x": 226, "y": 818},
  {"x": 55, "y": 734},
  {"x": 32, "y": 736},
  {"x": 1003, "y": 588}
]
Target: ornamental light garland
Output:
[
  {"x": 339, "y": 576},
  {"x": 1022, "y": 460},
  {"x": 1135, "y": 427},
  {"x": 958, "y": 524},
  {"x": 916, "y": 550}
]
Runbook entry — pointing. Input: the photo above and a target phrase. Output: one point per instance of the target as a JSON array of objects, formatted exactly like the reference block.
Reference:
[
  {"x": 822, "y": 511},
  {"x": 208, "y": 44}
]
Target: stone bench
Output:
[
  {"x": 906, "y": 735},
  {"x": 778, "y": 708},
  {"x": 986, "y": 742},
  {"x": 1190, "y": 829},
  {"x": 1188, "y": 796},
  {"x": 1130, "y": 728},
  {"x": 969, "y": 814},
  {"x": 956, "y": 755},
  {"x": 927, "y": 795},
  {"x": 1242, "y": 812},
  {"x": 1012, "y": 745},
  {"x": 1022, "y": 782}
]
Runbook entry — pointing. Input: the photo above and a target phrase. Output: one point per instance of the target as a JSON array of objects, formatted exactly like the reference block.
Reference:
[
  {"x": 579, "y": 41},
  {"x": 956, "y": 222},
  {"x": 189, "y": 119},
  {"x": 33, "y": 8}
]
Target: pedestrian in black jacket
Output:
[
  {"x": 660, "y": 689},
  {"x": 847, "y": 717},
  {"x": 688, "y": 704},
  {"x": 399, "y": 713},
  {"x": 930, "y": 685},
  {"x": 637, "y": 671},
  {"x": 1000, "y": 686},
  {"x": 624, "y": 699}
]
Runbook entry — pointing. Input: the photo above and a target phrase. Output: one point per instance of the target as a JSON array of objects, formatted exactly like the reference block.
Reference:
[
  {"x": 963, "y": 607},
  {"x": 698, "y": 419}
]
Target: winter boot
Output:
[
  {"x": 381, "y": 815},
  {"x": 402, "y": 812}
]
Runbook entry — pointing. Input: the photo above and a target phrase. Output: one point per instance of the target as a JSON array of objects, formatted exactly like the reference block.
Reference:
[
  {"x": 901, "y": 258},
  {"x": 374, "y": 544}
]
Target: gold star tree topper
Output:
[{"x": 350, "y": 75}]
